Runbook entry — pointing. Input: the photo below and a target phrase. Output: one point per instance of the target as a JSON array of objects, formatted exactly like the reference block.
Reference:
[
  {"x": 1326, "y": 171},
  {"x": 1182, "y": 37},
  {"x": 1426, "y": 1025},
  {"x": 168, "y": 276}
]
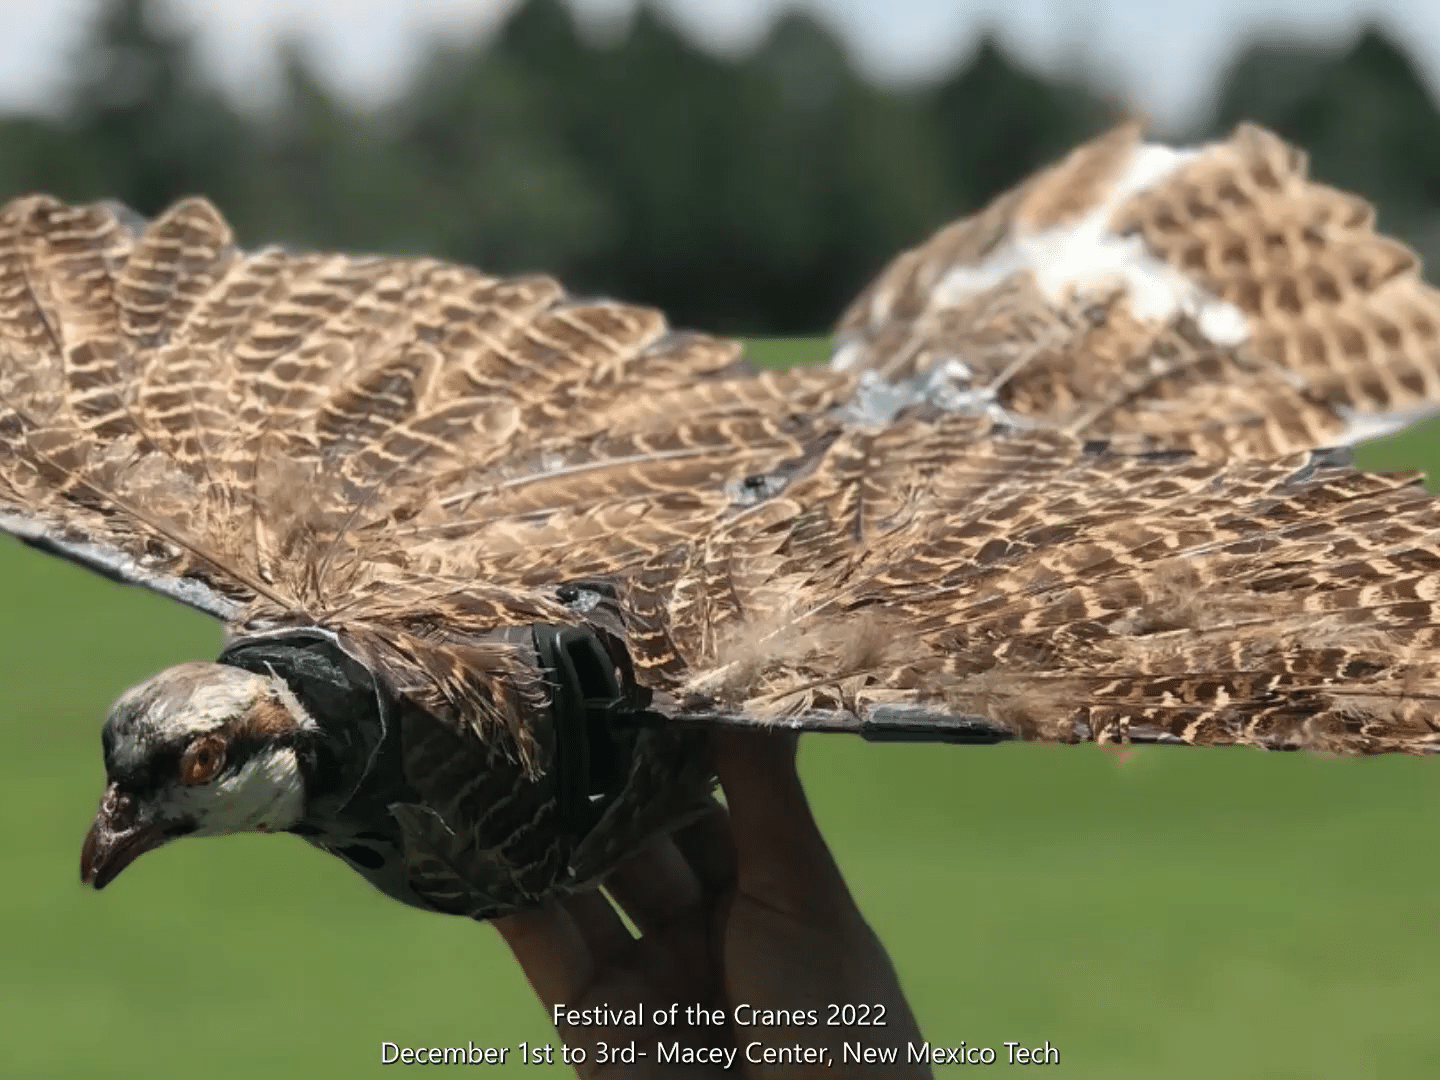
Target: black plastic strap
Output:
[{"x": 589, "y": 707}]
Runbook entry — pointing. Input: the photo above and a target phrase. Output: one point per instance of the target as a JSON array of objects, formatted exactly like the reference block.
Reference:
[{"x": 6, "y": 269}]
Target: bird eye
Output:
[{"x": 202, "y": 759}]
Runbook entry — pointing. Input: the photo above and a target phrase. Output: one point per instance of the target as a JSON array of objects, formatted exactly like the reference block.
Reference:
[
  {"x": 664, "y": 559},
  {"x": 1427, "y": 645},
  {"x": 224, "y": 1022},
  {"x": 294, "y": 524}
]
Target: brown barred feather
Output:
[{"x": 1213, "y": 299}]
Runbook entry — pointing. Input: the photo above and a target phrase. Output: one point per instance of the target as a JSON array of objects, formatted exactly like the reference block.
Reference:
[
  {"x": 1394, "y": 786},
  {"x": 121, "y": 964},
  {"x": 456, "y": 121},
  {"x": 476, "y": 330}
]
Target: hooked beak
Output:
[{"x": 116, "y": 839}]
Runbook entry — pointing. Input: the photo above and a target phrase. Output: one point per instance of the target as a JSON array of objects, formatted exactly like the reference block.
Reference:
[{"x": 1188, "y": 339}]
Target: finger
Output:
[
  {"x": 757, "y": 773},
  {"x": 709, "y": 847},
  {"x": 600, "y": 925},
  {"x": 552, "y": 951},
  {"x": 781, "y": 858},
  {"x": 656, "y": 887}
]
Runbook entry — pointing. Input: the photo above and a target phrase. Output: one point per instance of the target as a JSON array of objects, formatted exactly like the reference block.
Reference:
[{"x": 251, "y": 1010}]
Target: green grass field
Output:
[{"x": 1154, "y": 913}]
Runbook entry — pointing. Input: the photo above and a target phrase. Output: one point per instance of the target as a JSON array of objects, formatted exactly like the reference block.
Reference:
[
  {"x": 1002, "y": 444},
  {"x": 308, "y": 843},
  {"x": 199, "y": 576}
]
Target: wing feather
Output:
[
  {"x": 1279, "y": 604},
  {"x": 213, "y": 424},
  {"x": 1212, "y": 298},
  {"x": 273, "y": 437}
]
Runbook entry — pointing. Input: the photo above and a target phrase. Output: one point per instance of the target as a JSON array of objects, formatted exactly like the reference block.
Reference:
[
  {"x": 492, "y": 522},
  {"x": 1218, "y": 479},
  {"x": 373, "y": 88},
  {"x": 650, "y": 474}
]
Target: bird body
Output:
[{"x": 491, "y": 558}]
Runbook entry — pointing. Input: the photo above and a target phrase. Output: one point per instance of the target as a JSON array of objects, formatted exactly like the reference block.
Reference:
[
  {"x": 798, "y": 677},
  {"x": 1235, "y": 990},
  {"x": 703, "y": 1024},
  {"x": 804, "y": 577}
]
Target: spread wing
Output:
[
  {"x": 927, "y": 580},
  {"x": 213, "y": 424},
  {"x": 1211, "y": 298},
  {"x": 278, "y": 438}
]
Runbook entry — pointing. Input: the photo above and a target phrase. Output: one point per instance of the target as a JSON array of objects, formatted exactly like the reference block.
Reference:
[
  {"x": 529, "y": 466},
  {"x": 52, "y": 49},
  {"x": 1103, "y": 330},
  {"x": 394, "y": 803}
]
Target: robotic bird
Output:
[{"x": 491, "y": 559}]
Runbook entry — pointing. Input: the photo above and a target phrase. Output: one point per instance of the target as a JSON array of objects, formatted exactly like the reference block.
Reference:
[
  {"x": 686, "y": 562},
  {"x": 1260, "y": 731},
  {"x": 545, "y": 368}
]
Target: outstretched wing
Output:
[
  {"x": 927, "y": 577},
  {"x": 218, "y": 425},
  {"x": 1211, "y": 298},
  {"x": 332, "y": 440},
  {"x": 91, "y": 468}
]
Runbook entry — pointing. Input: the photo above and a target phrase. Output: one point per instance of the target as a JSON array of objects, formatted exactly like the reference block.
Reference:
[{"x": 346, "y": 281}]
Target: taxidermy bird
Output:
[{"x": 491, "y": 559}]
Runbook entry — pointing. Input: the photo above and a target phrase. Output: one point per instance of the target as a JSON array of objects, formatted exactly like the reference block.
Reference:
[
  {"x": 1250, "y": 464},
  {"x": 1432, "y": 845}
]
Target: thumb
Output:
[{"x": 781, "y": 858}]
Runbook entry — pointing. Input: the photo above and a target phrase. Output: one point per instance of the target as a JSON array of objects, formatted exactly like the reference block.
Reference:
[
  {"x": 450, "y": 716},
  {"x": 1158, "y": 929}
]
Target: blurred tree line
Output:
[{"x": 753, "y": 194}]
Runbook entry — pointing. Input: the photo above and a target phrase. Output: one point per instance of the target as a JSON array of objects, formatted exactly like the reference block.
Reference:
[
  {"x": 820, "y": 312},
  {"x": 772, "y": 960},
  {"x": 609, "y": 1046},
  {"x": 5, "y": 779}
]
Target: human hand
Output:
[{"x": 744, "y": 909}]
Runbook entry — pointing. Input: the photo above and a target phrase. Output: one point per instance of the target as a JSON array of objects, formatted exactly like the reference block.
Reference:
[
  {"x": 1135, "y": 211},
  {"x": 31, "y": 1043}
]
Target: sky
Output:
[{"x": 1164, "y": 57}]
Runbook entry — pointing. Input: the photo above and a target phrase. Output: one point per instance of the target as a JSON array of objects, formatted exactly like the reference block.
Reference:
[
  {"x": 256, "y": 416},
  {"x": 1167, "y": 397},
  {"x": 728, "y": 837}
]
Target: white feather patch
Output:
[
  {"x": 267, "y": 794},
  {"x": 1085, "y": 254}
]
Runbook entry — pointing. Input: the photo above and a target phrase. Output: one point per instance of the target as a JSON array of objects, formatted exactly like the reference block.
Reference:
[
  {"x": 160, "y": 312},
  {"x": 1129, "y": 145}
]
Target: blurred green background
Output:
[
  {"x": 753, "y": 191},
  {"x": 1156, "y": 912},
  {"x": 1153, "y": 913}
]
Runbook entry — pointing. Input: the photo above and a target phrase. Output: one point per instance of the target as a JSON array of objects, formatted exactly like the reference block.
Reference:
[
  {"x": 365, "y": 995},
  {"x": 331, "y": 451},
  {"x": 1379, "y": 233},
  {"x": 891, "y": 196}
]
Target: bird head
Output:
[{"x": 198, "y": 750}]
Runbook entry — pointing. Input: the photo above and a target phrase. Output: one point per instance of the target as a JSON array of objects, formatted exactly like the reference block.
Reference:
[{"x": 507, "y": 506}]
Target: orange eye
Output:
[{"x": 202, "y": 759}]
